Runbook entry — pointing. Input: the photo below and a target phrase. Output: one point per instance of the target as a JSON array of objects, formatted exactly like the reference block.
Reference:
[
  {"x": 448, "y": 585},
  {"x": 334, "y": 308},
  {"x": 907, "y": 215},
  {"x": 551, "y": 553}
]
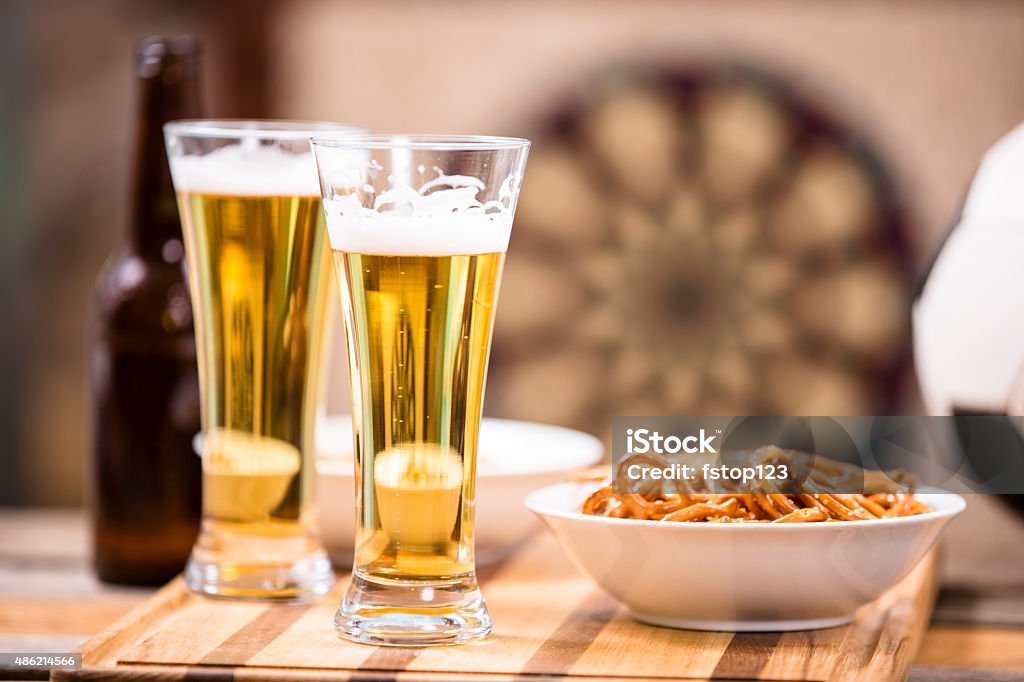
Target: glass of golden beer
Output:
[
  {"x": 254, "y": 231},
  {"x": 418, "y": 228}
]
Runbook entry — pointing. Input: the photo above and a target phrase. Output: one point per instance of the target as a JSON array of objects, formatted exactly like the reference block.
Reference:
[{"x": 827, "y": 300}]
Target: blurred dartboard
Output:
[{"x": 700, "y": 241}]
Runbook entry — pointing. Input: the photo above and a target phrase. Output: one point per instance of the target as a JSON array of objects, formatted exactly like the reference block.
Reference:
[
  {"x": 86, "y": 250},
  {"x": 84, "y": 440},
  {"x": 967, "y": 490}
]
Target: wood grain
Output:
[
  {"x": 968, "y": 646},
  {"x": 549, "y": 622},
  {"x": 39, "y": 616},
  {"x": 662, "y": 649},
  {"x": 50, "y": 602},
  {"x": 103, "y": 649}
]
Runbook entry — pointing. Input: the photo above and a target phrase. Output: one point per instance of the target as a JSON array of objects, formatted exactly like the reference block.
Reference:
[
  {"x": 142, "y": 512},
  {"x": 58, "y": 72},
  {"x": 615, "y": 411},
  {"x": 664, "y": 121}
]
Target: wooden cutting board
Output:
[{"x": 549, "y": 621}]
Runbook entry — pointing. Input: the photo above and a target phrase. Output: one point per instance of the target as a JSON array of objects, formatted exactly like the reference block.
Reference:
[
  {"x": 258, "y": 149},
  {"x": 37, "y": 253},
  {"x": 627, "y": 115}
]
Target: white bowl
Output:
[
  {"x": 514, "y": 459},
  {"x": 741, "y": 577}
]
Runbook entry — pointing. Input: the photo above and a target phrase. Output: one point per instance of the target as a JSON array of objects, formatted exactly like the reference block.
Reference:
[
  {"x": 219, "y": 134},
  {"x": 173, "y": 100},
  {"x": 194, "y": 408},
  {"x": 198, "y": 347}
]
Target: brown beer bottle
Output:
[{"x": 145, "y": 484}]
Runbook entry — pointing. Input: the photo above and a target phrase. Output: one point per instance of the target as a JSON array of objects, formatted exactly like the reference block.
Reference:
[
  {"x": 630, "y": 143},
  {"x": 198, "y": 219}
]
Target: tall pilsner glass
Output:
[
  {"x": 253, "y": 224},
  {"x": 418, "y": 228}
]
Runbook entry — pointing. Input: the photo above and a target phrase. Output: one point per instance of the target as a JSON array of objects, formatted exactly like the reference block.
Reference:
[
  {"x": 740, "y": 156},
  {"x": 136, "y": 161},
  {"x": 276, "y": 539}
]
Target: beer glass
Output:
[
  {"x": 253, "y": 225},
  {"x": 418, "y": 229}
]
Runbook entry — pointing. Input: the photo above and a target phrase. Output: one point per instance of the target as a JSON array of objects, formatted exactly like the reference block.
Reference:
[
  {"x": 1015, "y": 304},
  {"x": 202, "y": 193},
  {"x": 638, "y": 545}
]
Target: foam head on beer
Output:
[
  {"x": 441, "y": 216},
  {"x": 247, "y": 169}
]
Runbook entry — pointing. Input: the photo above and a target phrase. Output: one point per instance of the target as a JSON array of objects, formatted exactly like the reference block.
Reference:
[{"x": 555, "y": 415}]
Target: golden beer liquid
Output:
[
  {"x": 418, "y": 331},
  {"x": 260, "y": 276}
]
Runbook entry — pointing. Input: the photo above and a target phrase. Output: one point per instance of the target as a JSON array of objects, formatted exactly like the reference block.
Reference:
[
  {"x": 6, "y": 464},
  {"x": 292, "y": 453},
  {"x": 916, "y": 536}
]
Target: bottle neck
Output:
[{"x": 168, "y": 90}]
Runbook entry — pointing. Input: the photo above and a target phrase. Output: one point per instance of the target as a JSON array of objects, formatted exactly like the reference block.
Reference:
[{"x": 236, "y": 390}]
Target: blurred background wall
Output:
[{"x": 853, "y": 129}]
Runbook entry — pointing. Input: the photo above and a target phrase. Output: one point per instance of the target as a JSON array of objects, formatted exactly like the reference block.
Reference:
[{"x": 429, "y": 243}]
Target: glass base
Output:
[
  {"x": 412, "y": 613},
  {"x": 259, "y": 567}
]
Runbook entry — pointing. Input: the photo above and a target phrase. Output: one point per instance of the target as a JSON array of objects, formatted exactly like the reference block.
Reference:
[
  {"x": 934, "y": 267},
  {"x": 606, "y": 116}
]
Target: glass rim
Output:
[
  {"x": 482, "y": 143},
  {"x": 269, "y": 128}
]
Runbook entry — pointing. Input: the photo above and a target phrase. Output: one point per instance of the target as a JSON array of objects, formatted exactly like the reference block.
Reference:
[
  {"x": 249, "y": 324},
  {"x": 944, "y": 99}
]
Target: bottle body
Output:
[{"x": 145, "y": 479}]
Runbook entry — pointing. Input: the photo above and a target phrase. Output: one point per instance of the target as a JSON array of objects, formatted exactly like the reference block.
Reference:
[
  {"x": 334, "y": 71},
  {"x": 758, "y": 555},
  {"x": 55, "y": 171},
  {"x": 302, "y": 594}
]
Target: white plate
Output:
[
  {"x": 515, "y": 458},
  {"x": 741, "y": 577}
]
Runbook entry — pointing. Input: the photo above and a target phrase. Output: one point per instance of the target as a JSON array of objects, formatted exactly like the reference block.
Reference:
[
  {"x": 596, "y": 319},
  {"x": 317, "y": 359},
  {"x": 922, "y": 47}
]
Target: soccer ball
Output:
[{"x": 968, "y": 318}]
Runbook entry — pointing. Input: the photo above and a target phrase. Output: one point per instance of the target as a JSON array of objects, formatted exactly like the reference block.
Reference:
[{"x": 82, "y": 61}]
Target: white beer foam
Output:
[
  {"x": 428, "y": 221},
  {"x": 248, "y": 170}
]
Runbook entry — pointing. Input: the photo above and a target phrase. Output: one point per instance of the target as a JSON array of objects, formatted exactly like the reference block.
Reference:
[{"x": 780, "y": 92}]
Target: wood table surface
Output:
[{"x": 51, "y": 602}]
